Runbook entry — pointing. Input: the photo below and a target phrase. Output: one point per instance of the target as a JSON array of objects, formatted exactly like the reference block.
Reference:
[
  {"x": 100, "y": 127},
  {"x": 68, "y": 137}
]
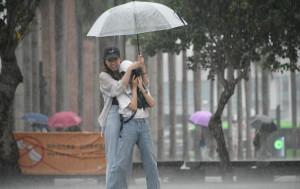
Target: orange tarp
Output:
[{"x": 61, "y": 153}]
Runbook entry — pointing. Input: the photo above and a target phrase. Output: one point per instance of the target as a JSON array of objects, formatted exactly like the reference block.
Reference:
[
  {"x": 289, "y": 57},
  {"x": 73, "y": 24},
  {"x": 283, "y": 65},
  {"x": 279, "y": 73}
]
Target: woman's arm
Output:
[
  {"x": 147, "y": 96},
  {"x": 109, "y": 86}
]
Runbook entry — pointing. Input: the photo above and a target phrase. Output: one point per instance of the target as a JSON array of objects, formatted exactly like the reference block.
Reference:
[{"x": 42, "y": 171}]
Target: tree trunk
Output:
[
  {"x": 151, "y": 67},
  {"x": 80, "y": 66},
  {"x": 240, "y": 120},
  {"x": 10, "y": 78},
  {"x": 74, "y": 36},
  {"x": 263, "y": 151},
  {"x": 45, "y": 24},
  {"x": 215, "y": 124},
  {"x": 185, "y": 153},
  {"x": 294, "y": 111},
  {"x": 212, "y": 95},
  {"x": 256, "y": 90},
  {"x": 265, "y": 92},
  {"x": 27, "y": 83},
  {"x": 18, "y": 109},
  {"x": 209, "y": 140},
  {"x": 52, "y": 58},
  {"x": 215, "y": 127},
  {"x": 96, "y": 90},
  {"x": 219, "y": 88},
  {"x": 213, "y": 141},
  {"x": 197, "y": 107},
  {"x": 160, "y": 107},
  {"x": 229, "y": 118},
  {"x": 172, "y": 97},
  {"x": 35, "y": 67},
  {"x": 248, "y": 92},
  {"x": 60, "y": 56}
]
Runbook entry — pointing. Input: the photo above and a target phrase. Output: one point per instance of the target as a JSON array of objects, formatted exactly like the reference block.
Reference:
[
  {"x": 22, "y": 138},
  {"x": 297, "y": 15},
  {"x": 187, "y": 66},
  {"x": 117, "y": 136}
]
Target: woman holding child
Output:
[{"x": 112, "y": 85}]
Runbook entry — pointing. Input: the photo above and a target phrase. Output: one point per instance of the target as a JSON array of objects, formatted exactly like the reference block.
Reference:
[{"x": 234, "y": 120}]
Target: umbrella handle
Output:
[
  {"x": 138, "y": 43},
  {"x": 137, "y": 36}
]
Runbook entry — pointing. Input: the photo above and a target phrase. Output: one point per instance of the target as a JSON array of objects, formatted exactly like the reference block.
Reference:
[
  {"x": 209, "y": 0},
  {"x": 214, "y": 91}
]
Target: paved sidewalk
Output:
[{"x": 210, "y": 183}]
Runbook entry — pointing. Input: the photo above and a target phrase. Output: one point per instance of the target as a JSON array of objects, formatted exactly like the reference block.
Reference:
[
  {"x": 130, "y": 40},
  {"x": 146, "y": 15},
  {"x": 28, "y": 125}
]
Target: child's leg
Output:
[
  {"x": 146, "y": 148},
  {"x": 118, "y": 177}
]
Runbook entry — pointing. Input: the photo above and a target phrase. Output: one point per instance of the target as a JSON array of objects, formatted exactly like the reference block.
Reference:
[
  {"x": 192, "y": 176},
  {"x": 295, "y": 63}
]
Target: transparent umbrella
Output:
[{"x": 135, "y": 17}]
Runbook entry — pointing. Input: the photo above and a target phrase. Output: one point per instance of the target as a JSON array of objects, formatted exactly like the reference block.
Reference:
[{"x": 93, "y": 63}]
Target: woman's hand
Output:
[
  {"x": 144, "y": 71},
  {"x": 141, "y": 60},
  {"x": 136, "y": 65}
]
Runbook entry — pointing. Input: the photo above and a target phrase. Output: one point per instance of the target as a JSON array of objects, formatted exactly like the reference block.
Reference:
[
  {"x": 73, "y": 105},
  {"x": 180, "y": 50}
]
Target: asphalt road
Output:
[{"x": 209, "y": 183}]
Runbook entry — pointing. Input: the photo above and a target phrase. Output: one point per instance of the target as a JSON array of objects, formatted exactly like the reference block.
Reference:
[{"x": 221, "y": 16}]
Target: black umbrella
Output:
[{"x": 263, "y": 123}]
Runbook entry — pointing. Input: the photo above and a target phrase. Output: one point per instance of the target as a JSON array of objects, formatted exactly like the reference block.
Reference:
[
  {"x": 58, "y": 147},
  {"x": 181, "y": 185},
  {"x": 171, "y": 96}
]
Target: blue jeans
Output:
[
  {"x": 112, "y": 135},
  {"x": 136, "y": 131}
]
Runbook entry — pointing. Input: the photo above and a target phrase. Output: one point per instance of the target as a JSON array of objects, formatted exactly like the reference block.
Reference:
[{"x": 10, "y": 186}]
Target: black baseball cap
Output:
[{"x": 111, "y": 53}]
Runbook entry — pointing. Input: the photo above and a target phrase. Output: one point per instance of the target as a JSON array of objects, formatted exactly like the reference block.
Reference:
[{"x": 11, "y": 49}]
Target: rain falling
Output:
[{"x": 188, "y": 94}]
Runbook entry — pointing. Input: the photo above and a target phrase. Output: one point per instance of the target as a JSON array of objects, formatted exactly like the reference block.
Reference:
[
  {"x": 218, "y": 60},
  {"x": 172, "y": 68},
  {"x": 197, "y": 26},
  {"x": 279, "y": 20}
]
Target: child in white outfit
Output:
[{"x": 136, "y": 130}]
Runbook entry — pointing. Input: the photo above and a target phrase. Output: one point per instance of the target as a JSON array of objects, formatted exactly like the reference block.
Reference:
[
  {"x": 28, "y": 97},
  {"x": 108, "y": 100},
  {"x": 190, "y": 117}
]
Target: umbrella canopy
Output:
[
  {"x": 64, "y": 119},
  {"x": 135, "y": 17},
  {"x": 35, "y": 118},
  {"x": 262, "y": 122},
  {"x": 201, "y": 118}
]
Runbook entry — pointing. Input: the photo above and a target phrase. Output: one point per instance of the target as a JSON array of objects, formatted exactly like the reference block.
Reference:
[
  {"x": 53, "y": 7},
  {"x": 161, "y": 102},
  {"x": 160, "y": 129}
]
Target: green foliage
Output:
[
  {"x": 89, "y": 11},
  {"x": 14, "y": 22},
  {"x": 166, "y": 41},
  {"x": 233, "y": 32}
]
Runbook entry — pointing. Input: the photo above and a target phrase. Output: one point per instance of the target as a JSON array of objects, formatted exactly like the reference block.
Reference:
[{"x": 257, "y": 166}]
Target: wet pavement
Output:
[{"x": 290, "y": 182}]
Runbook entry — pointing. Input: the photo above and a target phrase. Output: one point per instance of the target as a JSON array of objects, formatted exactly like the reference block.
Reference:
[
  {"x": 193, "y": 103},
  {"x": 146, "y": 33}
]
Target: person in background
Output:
[
  {"x": 261, "y": 142},
  {"x": 74, "y": 128},
  {"x": 38, "y": 127}
]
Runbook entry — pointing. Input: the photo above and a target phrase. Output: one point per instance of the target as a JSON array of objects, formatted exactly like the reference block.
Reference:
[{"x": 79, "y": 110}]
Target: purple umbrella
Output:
[{"x": 201, "y": 118}]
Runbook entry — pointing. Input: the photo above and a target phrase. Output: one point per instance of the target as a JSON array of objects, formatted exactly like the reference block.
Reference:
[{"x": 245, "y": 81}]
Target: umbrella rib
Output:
[
  {"x": 161, "y": 27},
  {"x": 169, "y": 25}
]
